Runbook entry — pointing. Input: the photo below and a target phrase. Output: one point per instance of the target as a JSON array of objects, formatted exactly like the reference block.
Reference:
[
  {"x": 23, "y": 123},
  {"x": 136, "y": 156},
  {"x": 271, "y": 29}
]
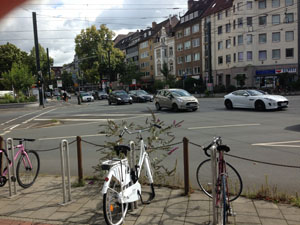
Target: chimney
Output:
[
  {"x": 190, "y": 4},
  {"x": 153, "y": 25}
]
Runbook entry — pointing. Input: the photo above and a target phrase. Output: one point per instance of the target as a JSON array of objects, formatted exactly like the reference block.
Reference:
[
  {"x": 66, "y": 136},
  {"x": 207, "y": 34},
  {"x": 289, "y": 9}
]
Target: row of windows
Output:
[
  {"x": 189, "y": 71},
  {"x": 262, "y": 21},
  {"x": 187, "y": 45},
  {"x": 188, "y": 58},
  {"x": 187, "y": 31},
  {"x": 144, "y": 55},
  {"x": 262, "y": 55},
  {"x": 262, "y": 4},
  {"x": 262, "y": 39},
  {"x": 165, "y": 52},
  {"x": 189, "y": 17}
]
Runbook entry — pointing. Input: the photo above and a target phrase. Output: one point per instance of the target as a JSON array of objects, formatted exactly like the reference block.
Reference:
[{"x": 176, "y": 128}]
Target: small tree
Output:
[
  {"x": 19, "y": 78},
  {"x": 240, "y": 79}
]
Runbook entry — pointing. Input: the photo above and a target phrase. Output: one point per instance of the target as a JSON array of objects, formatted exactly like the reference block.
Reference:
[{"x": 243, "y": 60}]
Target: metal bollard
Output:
[
  {"x": 64, "y": 150},
  {"x": 9, "y": 144},
  {"x": 213, "y": 156},
  {"x": 132, "y": 162},
  {"x": 186, "y": 166}
]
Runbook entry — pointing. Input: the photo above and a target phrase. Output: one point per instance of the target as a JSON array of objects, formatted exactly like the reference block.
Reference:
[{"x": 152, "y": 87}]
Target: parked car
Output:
[
  {"x": 119, "y": 97},
  {"x": 86, "y": 97},
  {"x": 175, "y": 99},
  {"x": 254, "y": 99},
  {"x": 140, "y": 96},
  {"x": 102, "y": 95}
]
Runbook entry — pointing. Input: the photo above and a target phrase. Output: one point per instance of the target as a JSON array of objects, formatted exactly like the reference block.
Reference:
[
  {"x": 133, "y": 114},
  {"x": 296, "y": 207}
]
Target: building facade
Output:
[
  {"x": 164, "y": 52},
  {"x": 188, "y": 41},
  {"x": 254, "y": 39}
]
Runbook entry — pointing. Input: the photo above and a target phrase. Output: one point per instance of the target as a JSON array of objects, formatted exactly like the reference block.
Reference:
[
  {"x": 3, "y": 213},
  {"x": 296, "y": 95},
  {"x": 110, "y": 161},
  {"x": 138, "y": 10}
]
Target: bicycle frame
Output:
[
  {"x": 20, "y": 151},
  {"x": 120, "y": 171}
]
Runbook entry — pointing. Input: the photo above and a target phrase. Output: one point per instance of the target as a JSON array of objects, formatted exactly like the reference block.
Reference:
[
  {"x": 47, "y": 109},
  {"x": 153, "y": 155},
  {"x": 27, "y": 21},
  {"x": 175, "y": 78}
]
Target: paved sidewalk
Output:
[{"x": 41, "y": 204}]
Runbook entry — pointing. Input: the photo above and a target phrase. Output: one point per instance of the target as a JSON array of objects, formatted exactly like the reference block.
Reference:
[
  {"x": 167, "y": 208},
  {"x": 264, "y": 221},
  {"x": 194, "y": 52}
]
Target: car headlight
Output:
[
  {"x": 130, "y": 98},
  {"x": 179, "y": 100},
  {"x": 119, "y": 99}
]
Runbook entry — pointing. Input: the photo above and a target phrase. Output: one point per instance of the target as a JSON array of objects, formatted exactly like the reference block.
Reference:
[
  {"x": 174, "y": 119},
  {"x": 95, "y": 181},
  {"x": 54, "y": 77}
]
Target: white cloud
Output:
[{"x": 59, "y": 21}]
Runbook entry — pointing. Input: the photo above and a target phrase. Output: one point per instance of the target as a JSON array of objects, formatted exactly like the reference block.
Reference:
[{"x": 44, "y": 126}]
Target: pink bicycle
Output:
[{"x": 28, "y": 166}]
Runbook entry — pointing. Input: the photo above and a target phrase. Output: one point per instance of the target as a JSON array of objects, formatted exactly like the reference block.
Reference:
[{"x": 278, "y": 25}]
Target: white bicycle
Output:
[{"x": 121, "y": 184}]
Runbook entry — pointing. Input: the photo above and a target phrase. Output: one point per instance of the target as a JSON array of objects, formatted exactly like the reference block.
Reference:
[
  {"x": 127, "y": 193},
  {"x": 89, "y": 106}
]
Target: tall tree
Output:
[
  {"x": 19, "y": 78},
  {"x": 129, "y": 72},
  {"x": 97, "y": 55},
  {"x": 43, "y": 63},
  {"x": 9, "y": 54}
]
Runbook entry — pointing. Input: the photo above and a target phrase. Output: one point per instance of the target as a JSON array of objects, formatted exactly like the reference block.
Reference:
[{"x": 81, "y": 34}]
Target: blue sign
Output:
[{"x": 265, "y": 72}]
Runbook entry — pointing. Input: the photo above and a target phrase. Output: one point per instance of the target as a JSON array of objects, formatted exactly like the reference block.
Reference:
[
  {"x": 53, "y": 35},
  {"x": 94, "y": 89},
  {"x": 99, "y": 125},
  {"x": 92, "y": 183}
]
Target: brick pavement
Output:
[{"x": 41, "y": 204}]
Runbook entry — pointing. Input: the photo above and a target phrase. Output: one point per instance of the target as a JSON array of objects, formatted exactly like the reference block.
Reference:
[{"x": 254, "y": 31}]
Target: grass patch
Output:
[{"x": 268, "y": 193}]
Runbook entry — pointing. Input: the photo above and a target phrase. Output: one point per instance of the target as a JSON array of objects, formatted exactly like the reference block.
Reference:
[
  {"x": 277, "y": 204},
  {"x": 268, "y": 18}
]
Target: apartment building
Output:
[
  {"x": 129, "y": 45},
  {"x": 164, "y": 46},
  {"x": 149, "y": 38},
  {"x": 188, "y": 41},
  {"x": 255, "y": 39}
]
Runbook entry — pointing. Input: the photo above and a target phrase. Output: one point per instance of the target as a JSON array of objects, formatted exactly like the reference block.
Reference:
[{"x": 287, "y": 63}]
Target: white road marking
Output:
[
  {"x": 54, "y": 138},
  {"x": 89, "y": 120},
  {"x": 288, "y": 144},
  {"x": 26, "y": 121},
  {"x": 16, "y": 118},
  {"x": 225, "y": 126}
]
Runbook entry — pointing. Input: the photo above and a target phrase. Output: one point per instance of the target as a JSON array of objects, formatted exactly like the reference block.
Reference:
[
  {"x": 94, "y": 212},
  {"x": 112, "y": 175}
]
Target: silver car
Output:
[{"x": 175, "y": 99}]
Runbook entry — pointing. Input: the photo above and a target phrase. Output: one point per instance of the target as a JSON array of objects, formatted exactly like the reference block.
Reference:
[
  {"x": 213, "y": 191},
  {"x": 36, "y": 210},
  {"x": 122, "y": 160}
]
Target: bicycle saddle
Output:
[
  {"x": 224, "y": 148},
  {"x": 121, "y": 149}
]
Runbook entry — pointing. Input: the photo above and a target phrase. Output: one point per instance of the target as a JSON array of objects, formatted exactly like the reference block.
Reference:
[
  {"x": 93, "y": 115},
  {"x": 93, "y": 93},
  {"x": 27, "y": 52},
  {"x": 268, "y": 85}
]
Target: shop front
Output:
[{"x": 275, "y": 78}]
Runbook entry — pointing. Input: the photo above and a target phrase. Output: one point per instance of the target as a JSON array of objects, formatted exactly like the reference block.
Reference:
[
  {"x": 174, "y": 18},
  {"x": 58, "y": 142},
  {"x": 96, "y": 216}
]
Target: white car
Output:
[
  {"x": 86, "y": 97},
  {"x": 254, "y": 99},
  {"x": 175, "y": 99}
]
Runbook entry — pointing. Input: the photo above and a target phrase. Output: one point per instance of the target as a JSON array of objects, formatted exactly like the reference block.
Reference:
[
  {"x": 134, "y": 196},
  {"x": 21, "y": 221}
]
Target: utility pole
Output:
[
  {"x": 298, "y": 1},
  {"x": 37, "y": 55},
  {"x": 209, "y": 53},
  {"x": 49, "y": 73}
]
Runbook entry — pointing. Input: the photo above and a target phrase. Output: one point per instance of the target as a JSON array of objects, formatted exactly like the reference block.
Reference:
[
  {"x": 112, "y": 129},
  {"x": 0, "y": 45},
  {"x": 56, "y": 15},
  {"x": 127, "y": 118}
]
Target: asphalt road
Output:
[{"x": 271, "y": 136}]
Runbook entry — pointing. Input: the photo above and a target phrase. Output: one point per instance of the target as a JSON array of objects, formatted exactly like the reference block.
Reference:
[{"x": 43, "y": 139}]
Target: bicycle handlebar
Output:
[
  {"x": 216, "y": 140},
  {"x": 126, "y": 130}
]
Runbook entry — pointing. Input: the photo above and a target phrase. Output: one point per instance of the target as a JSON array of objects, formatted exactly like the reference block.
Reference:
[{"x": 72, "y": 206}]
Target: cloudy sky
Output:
[{"x": 59, "y": 21}]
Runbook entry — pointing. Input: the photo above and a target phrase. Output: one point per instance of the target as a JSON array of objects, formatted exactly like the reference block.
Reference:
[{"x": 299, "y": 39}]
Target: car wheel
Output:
[
  {"x": 194, "y": 110},
  {"x": 130, "y": 102},
  {"x": 228, "y": 104},
  {"x": 175, "y": 107},
  {"x": 260, "y": 106},
  {"x": 157, "y": 106}
]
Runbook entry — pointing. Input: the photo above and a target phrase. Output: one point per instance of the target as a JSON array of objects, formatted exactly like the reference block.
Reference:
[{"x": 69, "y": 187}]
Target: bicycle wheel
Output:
[
  {"x": 28, "y": 169},
  {"x": 204, "y": 179},
  {"x": 223, "y": 204},
  {"x": 114, "y": 212}
]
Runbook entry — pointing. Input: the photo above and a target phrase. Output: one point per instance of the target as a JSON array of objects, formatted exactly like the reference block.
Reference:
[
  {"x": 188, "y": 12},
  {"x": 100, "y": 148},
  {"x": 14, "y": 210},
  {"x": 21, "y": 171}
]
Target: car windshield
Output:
[
  {"x": 255, "y": 93},
  {"x": 142, "y": 92},
  {"x": 85, "y": 94},
  {"x": 180, "y": 93},
  {"x": 102, "y": 92},
  {"x": 119, "y": 93}
]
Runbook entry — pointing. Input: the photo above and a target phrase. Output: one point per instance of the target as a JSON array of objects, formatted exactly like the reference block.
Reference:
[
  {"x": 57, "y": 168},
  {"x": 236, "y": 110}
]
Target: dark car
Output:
[
  {"x": 140, "y": 96},
  {"x": 102, "y": 95},
  {"x": 119, "y": 97}
]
